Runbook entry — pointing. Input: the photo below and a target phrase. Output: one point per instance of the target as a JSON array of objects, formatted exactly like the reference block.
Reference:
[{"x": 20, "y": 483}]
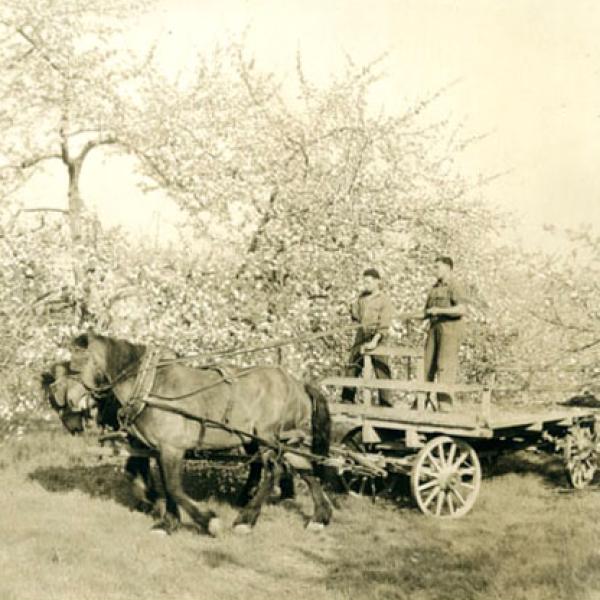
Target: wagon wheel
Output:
[
  {"x": 445, "y": 478},
  {"x": 357, "y": 482},
  {"x": 580, "y": 456}
]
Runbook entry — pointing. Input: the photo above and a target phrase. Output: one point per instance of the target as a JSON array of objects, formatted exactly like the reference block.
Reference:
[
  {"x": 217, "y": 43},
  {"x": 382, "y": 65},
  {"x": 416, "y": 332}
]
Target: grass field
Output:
[{"x": 67, "y": 530}]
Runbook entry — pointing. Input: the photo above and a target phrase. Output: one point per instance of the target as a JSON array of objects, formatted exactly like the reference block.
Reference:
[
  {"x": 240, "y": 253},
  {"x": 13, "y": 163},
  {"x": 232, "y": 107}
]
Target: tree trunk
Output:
[{"x": 75, "y": 200}]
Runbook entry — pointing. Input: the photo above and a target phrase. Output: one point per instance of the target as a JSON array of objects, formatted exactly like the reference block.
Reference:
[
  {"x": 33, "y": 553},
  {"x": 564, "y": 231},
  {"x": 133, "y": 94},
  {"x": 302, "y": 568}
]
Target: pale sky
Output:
[{"x": 528, "y": 71}]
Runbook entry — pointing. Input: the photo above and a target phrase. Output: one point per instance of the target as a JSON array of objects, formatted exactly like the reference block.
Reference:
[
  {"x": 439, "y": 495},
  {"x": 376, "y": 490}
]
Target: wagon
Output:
[
  {"x": 440, "y": 436},
  {"x": 437, "y": 439}
]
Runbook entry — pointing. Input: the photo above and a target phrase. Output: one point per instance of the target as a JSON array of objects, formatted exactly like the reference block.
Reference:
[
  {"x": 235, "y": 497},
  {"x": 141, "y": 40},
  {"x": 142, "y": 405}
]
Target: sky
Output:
[{"x": 526, "y": 73}]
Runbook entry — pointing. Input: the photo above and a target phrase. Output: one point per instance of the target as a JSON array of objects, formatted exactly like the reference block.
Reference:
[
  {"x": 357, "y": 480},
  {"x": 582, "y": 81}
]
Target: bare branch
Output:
[
  {"x": 43, "y": 209},
  {"x": 55, "y": 66},
  {"x": 93, "y": 144},
  {"x": 560, "y": 323}
]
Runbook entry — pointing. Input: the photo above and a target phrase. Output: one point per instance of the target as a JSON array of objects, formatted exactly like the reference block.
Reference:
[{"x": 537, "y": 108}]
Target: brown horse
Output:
[
  {"x": 68, "y": 397},
  {"x": 186, "y": 408}
]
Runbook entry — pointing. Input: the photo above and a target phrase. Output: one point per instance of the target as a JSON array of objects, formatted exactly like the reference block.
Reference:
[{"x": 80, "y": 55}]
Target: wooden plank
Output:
[
  {"x": 397, "y": 351},
  {"x": 401, "y": 385},
  {"x": 541, "y": 419},
  {"x": 452, "y": 429},
  {"x": 407, "y": 416},
  {"x": 463, "y": 423}
]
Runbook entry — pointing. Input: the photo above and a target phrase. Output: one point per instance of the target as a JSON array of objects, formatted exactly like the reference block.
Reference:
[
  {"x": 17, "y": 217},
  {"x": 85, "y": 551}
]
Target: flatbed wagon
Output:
[{"x": 438, "y": 434}]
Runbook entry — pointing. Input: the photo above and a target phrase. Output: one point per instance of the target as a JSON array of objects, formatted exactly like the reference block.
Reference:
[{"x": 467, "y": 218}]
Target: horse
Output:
[
  {"x": 187, "y": 408},
  {"x": 67, "y": 395}
]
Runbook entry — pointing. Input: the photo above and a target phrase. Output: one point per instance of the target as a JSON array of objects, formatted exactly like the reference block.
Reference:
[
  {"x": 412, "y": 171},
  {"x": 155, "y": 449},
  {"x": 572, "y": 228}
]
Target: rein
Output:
[
  {"x": 299, "y": 339},
  {"x": 223, "y": 379},
  {"x": 302, "y": 339}
]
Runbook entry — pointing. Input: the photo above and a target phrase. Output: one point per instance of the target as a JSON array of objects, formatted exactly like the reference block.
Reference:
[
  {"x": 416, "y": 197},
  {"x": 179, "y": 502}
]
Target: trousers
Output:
[
  {"x": 441, "y": 352},
  {"x": 382, "y": 371}
]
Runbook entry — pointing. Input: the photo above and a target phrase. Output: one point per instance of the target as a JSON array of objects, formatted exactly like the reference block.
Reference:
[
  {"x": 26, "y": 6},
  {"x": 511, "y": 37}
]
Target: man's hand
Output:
[{"x": 369, "y": 346}]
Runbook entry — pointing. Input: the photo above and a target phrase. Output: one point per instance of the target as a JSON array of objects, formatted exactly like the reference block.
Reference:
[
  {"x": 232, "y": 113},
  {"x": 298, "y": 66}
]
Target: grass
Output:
[{"x": 68, "y": 531}]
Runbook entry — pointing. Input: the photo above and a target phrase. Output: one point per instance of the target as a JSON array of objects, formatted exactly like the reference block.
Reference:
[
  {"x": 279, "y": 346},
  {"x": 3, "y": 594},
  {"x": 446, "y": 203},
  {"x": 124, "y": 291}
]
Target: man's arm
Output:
[
  {"x": 383, "y": 326},
  {"x": 459, "y": 310},
  {"x": 354, "y": 311},
  {"x": 457, "y": 306}
]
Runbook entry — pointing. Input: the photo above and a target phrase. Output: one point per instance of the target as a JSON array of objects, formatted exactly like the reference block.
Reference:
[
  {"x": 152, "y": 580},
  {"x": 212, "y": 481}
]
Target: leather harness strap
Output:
[
  {"x": 144, "y": 383},
  {"x": 142, "y": 387}
]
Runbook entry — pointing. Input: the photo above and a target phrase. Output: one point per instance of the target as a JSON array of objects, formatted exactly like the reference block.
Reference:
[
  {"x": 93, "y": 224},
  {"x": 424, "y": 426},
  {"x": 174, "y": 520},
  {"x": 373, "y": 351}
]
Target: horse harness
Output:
[{"x": 143, "y": 390}]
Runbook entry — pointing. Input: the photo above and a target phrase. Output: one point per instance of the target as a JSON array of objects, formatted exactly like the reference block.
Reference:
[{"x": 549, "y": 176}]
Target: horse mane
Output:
[{"x": 120, "y": 354}]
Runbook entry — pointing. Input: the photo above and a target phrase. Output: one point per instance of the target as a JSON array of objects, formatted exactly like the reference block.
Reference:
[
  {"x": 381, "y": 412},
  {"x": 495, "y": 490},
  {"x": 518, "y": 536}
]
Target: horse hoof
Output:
[
  {"x": 242, "y": 529},
  {"x": 158, "y": 531},
  {"x": 315, "y": 527},
  {"x": 215, "y": 527}
]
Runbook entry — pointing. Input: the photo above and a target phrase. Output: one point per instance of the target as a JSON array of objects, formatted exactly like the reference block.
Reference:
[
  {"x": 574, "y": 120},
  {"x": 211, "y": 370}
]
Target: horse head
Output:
[
  {"x": 103, "y": 361},
  {"x": 67, "y": 396}
]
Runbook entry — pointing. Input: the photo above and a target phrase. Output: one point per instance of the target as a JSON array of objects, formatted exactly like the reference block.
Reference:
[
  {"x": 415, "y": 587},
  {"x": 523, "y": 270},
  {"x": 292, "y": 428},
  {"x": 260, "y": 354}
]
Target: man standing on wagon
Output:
[
  {"x": 373, "y": 310},
  {"x": 445, "y": 310}
]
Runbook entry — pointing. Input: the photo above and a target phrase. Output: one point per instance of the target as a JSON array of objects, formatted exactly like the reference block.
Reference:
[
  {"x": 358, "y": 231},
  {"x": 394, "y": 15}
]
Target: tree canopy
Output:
[{"x": 294, "y": 195}]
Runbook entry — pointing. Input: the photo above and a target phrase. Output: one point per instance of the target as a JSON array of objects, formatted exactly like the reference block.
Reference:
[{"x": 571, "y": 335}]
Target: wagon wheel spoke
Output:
[
  {"x": 434, "y": 461},
  {"x": 461, "y": 459},
  {"x": 450, "y": 501},
  {"x": 466, "y": 471},
  {"x": 431, "y": 496},
  {"x": 373, "y": 490},
  {"x": 440, "y": 503},
  {"x": 355, "y": 480},
  {"x": 452, "y": 454},
  {"x": 349, "y": 484},
  {"x": 428, "y": 485},
  {"x": 429, "y": 472},
  {"x": 442, "y": 456},
  {"x": 363, "y": 483},
  {"x": 459, "y": 496}
]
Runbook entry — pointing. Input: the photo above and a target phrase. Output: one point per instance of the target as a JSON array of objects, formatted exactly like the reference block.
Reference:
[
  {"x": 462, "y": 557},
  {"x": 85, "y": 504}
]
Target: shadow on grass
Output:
[
  {"x": 108, "y": 481},
  {"x": 105, "y": 481},
  {"x": 548, "y": 468}
]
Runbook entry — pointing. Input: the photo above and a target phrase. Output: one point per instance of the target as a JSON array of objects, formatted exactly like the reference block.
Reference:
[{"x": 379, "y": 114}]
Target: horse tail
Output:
[{"x": 321, "y": 421}]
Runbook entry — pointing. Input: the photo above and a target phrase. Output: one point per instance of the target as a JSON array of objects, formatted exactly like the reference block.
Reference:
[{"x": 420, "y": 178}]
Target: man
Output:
[
  {"x": 445, "y": 310},
  {"x": 373, "y": 310}
]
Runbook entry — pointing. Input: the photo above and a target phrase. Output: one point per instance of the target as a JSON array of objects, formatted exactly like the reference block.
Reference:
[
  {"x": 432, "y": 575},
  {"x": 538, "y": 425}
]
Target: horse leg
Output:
[
  {"x": 286, "y": 483},
  {"x": 138, "y": 470},
  {"x": 254, "y": 475},
  {"x": 165, "y": 507},
  {"x": 322, "y": 512},
  {"x": 171, "y": 463},
  {"x": 249, "y": 515}
]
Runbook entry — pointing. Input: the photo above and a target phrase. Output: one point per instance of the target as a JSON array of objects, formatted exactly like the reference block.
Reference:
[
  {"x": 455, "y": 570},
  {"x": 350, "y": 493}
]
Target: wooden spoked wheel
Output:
[
  {"x": 445, "y": 478},
  {"x": 580, "y": 456},
  {"x": 357, "y": 482}
]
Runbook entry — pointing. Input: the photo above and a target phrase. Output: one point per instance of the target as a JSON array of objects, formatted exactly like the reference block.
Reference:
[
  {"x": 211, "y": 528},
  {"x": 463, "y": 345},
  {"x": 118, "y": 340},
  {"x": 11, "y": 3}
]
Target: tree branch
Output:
[
  {"x": 93, "y": 144},
  {"x": 31, "y": 162},
  {"x": 21, "y": 31}
]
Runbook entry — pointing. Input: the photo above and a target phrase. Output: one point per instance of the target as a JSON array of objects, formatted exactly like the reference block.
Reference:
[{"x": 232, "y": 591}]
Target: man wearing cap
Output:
[
  {"x": 373, "y": 310},
  {"x": 445, "y": 310}
]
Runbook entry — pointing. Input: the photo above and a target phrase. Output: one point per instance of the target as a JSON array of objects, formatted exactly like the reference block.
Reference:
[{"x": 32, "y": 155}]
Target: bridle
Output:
[{"x": 100, "y": 390}]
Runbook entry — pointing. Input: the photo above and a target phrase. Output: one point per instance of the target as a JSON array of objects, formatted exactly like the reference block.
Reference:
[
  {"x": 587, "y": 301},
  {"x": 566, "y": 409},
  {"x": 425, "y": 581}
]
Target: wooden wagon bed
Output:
[{"x": 462, "y": 421}]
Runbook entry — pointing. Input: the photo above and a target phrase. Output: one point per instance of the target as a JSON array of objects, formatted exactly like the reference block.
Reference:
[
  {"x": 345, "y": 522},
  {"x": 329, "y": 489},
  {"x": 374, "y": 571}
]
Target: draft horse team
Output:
[{"x": 172, "y": 408}]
